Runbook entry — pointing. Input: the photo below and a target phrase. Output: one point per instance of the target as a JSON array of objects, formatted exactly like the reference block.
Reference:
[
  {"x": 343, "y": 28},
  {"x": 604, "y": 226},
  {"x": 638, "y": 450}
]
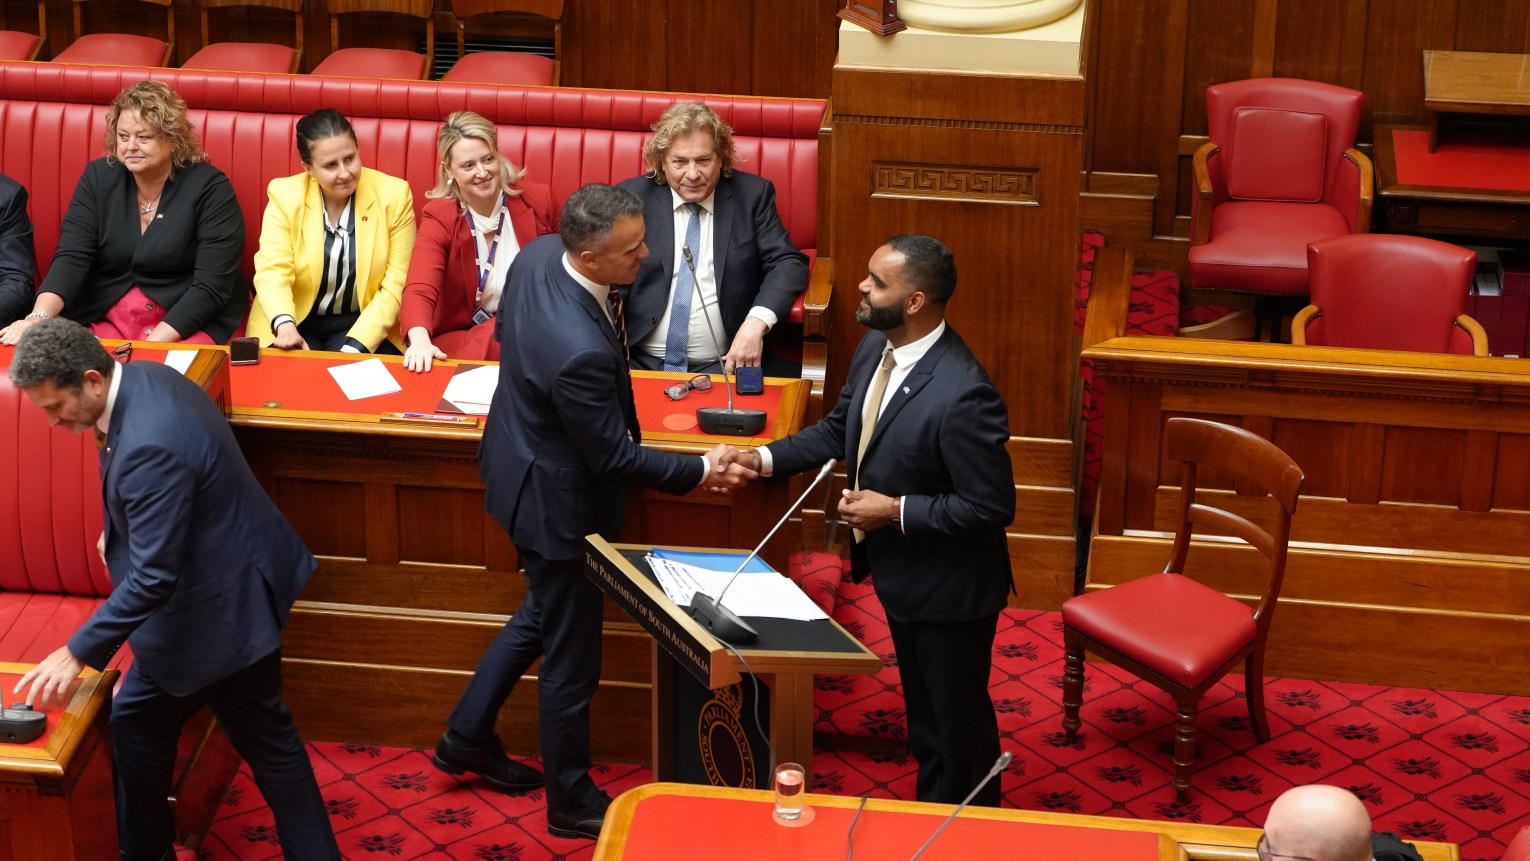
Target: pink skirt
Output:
[{"x": 134, "y": 316}]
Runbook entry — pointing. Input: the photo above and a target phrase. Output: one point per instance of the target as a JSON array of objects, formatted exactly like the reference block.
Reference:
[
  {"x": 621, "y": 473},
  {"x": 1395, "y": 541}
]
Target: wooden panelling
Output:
[
  {"x": 1151, "y": 62},
  {"x": 1409, "y": 558}
]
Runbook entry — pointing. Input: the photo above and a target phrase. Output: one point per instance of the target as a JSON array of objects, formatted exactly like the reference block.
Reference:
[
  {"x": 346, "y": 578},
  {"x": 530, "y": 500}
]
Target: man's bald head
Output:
[{"x": 1323, "y": 823}]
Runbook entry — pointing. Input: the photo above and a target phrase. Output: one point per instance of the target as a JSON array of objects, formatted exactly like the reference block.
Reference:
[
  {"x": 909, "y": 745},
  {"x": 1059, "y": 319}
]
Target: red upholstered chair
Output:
[
  {"x": 378, "y": 62},
  {"x": 21, "y": 45},
  {"x": 1518, "y": 848},
  {"x": 1390, "y": 292},
  {"x": 1171, "y": 630},
  {"x": 1279, "y": 172},
  {"x": 249, "y": 56},
  {"x": 506, "y": 67},
  {"x": 119, "y": 49}
]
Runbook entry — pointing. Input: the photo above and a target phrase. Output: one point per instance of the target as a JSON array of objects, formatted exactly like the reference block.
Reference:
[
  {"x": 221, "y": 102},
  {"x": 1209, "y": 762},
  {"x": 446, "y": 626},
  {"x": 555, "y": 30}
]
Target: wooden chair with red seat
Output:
[
  {"x": 119, "y": 49},
  {"x": 1279, "y": 172},
  {"x": 249, "y": 56},
  {"x": 1175, "y": 632},
  {"x": 393, "y": 63},
  {"x": 1390, "y": 292},
  {"x": 506, "y": 67},
  {"x": 21, "y": 45}
]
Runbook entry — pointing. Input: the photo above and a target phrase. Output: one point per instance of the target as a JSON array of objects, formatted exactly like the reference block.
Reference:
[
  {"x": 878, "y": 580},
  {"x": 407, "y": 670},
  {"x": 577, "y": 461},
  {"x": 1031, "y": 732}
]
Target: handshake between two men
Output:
[{"x": 730, "y": 469}]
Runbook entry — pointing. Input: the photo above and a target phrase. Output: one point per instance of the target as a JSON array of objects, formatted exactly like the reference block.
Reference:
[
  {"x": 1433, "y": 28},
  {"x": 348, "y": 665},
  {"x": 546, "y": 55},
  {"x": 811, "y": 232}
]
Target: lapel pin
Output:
[
  {"x": 905, "y": 390},
  {"x": 363, "y": 218}
]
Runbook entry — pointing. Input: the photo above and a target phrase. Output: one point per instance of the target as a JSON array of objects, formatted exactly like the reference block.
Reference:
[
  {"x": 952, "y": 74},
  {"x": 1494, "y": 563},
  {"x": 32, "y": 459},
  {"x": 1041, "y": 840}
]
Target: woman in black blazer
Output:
[{"x": 150, "y": 246}]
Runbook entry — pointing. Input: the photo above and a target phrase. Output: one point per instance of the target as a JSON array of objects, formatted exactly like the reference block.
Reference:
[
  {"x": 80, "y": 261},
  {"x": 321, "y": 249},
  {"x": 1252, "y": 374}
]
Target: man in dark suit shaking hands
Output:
[
  {"x": 561, "y": 445},
  {"x": 921, "y": 430},
  {"x": 204, "y": 570}
]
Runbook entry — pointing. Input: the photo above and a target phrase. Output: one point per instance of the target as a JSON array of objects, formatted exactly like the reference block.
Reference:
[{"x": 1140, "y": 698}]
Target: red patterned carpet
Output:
[{"x": 1429, "y": 764}]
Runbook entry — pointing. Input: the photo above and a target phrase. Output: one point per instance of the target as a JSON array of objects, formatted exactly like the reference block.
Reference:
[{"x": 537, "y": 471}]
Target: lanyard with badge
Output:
[{"x": 481, "y": 315}]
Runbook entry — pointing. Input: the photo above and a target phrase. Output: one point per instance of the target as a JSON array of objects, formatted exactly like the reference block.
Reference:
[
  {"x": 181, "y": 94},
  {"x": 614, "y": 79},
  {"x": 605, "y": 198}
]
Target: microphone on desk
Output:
[
  {"x": 723, "y": 623},
  {"x": 999, "y": 765},
  {"x": 714, "y": 420}
]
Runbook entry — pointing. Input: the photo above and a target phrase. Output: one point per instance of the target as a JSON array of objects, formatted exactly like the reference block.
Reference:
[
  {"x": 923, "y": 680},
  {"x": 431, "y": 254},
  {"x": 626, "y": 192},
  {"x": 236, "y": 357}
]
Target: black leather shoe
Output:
[
  {"x": 583, "y": 822},
  {"x": 489, "y": 762}
]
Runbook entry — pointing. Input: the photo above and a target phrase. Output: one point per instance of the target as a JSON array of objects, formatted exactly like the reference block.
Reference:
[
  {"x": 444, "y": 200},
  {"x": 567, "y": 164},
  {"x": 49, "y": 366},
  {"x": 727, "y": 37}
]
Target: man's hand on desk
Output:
[
  {"x": 747, "y": 347},
  {"x": 51, "y": 680},
  {"x": 725, "y": 473}
]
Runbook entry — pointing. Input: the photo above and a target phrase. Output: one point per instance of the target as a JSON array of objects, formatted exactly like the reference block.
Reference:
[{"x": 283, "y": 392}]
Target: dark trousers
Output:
[
  {"x": 644, "y": 362},
  {"x": 146, "y": 724},
  {"x": 560, "y": 622},
  {"x": 952, "y": 728}
]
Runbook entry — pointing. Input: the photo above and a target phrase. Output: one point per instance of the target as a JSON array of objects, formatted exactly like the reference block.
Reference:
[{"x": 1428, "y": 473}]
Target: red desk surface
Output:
[
  {"x": 688, "y": 828},
  {"x": 1466, "y": 163},
  {"x": 300, "y": 382}
]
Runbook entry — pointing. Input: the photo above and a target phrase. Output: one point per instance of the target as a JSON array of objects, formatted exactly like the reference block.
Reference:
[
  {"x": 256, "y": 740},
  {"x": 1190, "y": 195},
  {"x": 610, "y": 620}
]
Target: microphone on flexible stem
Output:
[
  {"x": 724, "y": 623},
  {"x": 730, "y": 422},
  {"x": 999, "y": 765}
]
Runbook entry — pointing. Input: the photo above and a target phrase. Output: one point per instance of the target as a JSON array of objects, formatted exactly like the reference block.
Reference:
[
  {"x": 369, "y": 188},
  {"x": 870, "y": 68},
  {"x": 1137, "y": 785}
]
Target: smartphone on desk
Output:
[
  {"x": 244, "y": 351},
  {"x": 749, "y": 381}
]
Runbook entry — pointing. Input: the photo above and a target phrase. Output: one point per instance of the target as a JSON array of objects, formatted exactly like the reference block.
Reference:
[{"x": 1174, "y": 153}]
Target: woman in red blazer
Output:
[{"x": 463, "y": 249}]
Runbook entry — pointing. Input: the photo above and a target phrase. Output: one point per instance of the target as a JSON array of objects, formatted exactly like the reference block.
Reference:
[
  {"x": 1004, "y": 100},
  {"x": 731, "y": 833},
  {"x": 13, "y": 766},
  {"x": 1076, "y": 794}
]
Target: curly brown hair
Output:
[
  {"x": 679, "y": 120},
  {"x": 161, "y": 109}
]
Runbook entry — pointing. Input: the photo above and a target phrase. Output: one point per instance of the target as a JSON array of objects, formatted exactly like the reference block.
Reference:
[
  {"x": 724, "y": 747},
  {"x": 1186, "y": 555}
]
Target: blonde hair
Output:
[
  {"x": 161, "y": 109},
  {"x": 679, "y": 120},
  {"x": 466, "y": 125}
]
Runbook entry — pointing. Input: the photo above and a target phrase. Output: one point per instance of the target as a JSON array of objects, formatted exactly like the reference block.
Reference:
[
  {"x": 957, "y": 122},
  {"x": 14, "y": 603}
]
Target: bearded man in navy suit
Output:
[
  {"x": 922, "y": 432},
  {"x": 204, "y": 571}
]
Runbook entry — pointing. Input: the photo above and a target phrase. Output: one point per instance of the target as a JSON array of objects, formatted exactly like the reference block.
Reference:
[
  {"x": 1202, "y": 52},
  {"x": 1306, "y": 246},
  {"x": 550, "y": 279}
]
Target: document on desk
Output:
[
  {"x": 181, "y": 359},
  {"x": 366, "y": 379},
  {"x": 471, "y": 390},
  {"x": 755, "y": 593}
]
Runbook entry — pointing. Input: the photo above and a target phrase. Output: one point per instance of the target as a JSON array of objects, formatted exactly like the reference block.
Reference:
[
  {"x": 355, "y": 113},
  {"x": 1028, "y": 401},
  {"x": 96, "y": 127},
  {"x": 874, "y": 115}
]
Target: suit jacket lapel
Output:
[
  {"x": 723, "y": 213},
  {"x": 660, "y": 227},
  {"x": 310, "y": 250},
  {"x": 365, "y": 221},
  {"x": 918, "y": 377},
  {"x": 522, "y": 220}
]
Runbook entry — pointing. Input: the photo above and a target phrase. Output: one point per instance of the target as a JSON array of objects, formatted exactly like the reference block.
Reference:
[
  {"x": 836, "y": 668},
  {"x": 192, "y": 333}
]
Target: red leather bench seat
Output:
[{"x": 51, "y": 119}]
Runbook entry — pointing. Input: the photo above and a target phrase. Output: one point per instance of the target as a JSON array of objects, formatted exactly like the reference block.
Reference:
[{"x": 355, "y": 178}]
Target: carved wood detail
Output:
[{"x": 1006, "y": 185}]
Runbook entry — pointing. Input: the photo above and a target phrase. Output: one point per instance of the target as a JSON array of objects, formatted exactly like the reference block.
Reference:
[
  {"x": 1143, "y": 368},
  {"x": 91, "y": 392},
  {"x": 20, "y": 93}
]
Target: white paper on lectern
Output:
[
  {"x": 181, "y": 359},
  {"x": 471, "y": 391},
  {"x": 365, "y": 379},
  {"x": 754, "y": 594}
]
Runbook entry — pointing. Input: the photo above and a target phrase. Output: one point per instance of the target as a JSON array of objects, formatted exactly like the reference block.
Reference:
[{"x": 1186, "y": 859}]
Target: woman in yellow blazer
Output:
[{"x": 334, "y": 248}]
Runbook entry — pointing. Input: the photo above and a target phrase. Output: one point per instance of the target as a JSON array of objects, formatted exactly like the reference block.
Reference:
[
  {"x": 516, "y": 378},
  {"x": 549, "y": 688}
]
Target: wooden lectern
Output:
[{"x": 703, "y": 711}]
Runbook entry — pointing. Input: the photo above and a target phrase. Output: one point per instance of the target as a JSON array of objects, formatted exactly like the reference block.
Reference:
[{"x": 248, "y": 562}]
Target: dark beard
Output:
[{"x": 880, "y": 319}]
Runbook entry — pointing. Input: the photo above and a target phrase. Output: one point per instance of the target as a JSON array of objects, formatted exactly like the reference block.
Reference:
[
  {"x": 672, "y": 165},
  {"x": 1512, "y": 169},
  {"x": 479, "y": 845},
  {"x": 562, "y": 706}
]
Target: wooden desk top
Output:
[
  {"x": 68, "y": 728},
  {"x": 1471, "y": 82},
  {"x": 292, "y": 390},
  {"x": 1174, "y": 840}
]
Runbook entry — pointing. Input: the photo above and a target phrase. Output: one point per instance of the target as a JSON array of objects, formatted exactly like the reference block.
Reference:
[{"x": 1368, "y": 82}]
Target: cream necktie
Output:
[{"x": 870, "y": 411}]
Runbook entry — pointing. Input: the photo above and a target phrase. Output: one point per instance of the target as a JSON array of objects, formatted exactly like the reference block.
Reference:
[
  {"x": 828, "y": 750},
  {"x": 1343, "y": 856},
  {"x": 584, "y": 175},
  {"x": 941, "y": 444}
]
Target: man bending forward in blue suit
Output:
[{"x": 204, "y": 570}]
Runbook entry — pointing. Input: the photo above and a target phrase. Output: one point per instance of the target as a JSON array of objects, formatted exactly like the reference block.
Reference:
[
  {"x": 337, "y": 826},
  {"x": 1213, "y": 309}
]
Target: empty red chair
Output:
[
  {"x": 119, "y": 49},
  {"x": 1173, "y": 631},
  {"x": 21, "y": 45},
  {"x": 1390, "y": 292},
  {"x": 378, "y": 62},
  {"x": 249, "y": 56},
  {"x": 1279, "y": 172},
  {"x": 506, "y": 67}
]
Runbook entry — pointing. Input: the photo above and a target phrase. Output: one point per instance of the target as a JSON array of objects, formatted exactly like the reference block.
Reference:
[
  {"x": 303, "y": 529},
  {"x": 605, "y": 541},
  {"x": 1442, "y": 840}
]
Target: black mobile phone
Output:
[
  {"x": 749, "y": 381},
  {"x": 244, "y": 351}
]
